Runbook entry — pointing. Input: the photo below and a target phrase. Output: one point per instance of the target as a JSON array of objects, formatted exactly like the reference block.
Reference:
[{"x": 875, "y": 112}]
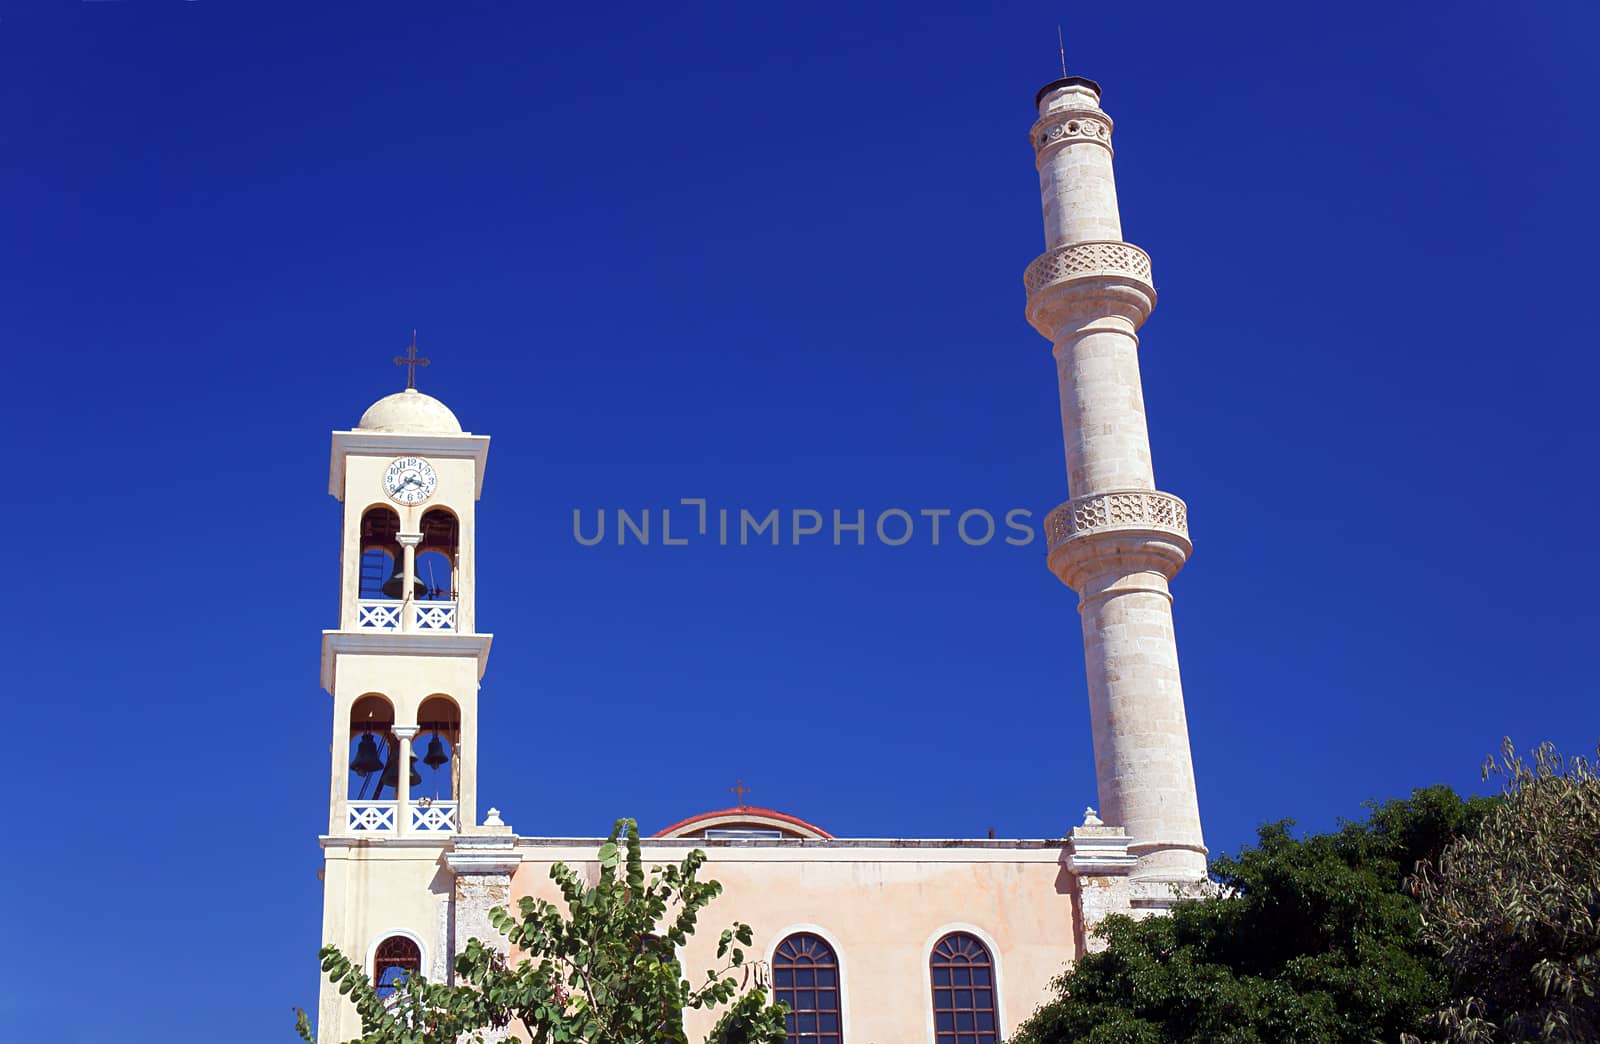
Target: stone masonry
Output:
[{"x": 1118, "y": 540}]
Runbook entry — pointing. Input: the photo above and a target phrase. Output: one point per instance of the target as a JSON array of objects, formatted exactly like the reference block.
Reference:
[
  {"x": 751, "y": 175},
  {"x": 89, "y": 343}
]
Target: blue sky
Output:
[{"x": 769, "y": 255}]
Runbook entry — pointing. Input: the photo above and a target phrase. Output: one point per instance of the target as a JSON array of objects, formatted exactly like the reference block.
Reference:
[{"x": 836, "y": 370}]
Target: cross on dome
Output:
[{"x": 410, "y": 361}]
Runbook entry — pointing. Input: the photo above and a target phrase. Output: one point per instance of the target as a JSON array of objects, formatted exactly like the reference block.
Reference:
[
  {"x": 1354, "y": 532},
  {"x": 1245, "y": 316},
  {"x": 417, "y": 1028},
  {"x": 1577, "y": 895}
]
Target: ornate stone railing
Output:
[
  {"x": 376, "y": 614},
  {"x": 1061, "y": 128},
  {"x": 1122, "y": 510},
  {"x": 371, "y": 817},
  {"x": 436, "y": 817},
  {"x": 1091, "y": 258}
]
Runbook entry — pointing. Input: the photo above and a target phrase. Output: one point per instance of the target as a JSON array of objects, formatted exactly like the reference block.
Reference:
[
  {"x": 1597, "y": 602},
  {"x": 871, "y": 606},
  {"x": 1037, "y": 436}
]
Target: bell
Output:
[
  {"x": 366, "y": 760},
  {"x": 397, "y": 582},
  {"x": 391, "y": 775},
  {"x": 436, "y": 755}
]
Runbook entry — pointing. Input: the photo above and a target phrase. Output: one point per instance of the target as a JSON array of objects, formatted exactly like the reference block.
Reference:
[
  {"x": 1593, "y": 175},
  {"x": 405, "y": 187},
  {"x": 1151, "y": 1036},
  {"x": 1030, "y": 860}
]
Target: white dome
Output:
[{"x": 411, "y": 412}]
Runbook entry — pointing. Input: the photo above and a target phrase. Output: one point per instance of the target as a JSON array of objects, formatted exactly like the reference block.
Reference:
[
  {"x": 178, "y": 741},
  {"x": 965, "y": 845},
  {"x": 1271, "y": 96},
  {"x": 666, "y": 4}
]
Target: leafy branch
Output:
[{"x": 601, "y": 968}]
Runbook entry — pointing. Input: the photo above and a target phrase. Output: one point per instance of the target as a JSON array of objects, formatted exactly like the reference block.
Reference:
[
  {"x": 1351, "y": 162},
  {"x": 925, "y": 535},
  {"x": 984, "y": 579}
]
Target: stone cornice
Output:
[
  {"x": 351, "y": 841},
  {"x": 408, "y": 643},
  {"x": 1067, "y": 126},
  {"x": 1099, "y": 851},
  {"x": 1102, "y": 565},
  {"x": 807, "y": 850},
  {"x": 483, "y": 855},
  {"x": 389, "y": 443},
  {"x": 1159, "y": 896}
]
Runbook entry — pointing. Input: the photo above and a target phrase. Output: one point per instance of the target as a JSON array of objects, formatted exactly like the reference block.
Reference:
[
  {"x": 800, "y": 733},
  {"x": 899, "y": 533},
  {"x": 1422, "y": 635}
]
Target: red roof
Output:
[{"x": 748, "y": 813}]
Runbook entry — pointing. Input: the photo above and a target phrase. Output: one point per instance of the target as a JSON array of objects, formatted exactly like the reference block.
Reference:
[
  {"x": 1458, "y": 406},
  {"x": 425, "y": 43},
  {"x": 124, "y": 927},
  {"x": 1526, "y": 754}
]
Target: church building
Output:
[{"x": 869, "y": 940}]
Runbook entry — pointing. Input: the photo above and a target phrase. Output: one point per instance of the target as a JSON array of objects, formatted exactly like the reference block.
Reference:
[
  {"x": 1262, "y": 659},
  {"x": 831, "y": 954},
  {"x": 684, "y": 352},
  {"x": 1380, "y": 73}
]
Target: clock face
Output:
[{"x": 409, "y": 480}]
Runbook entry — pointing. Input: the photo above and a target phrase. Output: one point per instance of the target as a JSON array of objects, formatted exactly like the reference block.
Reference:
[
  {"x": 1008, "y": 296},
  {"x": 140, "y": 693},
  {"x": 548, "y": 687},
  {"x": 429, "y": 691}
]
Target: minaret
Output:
[{"x": 1118, "y": 540}]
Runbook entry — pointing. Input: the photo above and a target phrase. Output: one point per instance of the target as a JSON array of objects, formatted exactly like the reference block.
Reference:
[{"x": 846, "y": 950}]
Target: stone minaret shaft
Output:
[{"x": 1118, "y": 540}]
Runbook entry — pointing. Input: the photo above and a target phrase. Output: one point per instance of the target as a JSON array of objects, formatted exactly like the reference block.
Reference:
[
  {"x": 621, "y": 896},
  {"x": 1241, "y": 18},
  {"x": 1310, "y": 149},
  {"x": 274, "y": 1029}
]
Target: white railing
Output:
[
  {"x": 434, "y": 616},
  {"x": 373, "y": 615},
  {"x": 378, "y": 817},
  {"x": 371, "y": 817},
  {"x": 438, "y": 817},
  {"x": 377, "y": 614}
]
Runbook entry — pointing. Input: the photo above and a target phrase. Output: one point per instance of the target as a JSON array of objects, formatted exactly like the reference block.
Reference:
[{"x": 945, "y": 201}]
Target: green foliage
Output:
[
  {"x": 1515, "y": 908},
  {"x": 602, "y": 971},
  {"x": 1314, "y": 939}
]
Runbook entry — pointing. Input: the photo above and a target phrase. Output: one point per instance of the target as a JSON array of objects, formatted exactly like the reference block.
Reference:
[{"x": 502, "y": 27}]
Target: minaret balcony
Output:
[
  {"x": 1134, "y": 509},
  {"x": 1093, "y": 259},
  {"x": 383, "y": 614},
  {"x": 1134, "y": 528},
  {"x": 1078, "y": 286},
  {"x": 379, "y": 817}
]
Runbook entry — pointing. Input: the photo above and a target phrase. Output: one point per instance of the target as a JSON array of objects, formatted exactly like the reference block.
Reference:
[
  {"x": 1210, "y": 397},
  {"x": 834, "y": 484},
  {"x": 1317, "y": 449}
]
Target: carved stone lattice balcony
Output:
[
  {"x": 1094, "y": 258},
  {"x": 1126, "y": 511},
  {"x": 377, "y": 614}
]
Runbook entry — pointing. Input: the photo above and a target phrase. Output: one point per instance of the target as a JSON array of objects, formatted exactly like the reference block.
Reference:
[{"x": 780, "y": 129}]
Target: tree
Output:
[
  {"x": 1515, "y": 907},
  {"x": 1314, "y": 939},
  {"x": 604, "y": 971}
]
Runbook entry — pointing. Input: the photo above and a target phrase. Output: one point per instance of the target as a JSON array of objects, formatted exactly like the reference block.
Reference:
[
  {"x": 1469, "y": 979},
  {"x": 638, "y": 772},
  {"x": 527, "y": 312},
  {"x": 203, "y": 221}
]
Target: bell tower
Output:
[{"x": 404, "y": 663}]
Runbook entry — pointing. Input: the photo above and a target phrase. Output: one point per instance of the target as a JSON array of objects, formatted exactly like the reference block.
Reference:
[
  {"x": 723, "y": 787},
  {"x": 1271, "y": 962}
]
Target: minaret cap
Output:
[{"x": 1065, "y": 81}]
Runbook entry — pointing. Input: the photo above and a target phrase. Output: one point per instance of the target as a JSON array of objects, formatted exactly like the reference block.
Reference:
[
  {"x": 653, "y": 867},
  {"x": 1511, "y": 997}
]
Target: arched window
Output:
[
  {"x": 380, "y": 550},
  {"x": 438, "y": 555},
  {"x": 963, "y": 991},
  {"x": 377, "y": 564},
  {"x": 805, "y": 976},
  {"x": 372, "y": 745},
  {"x": 396, "y": 958},
  {"x": 439, "y": 738}
]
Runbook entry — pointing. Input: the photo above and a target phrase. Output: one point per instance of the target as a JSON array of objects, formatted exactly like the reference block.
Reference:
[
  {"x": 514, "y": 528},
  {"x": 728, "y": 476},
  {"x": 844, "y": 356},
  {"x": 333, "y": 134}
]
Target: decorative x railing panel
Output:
[
  {"x": 435, "y": 616},
  {"x": 373, "y": 615},
  {"x": 371, "y": 817},
  {"x": 437, "y": 817}
]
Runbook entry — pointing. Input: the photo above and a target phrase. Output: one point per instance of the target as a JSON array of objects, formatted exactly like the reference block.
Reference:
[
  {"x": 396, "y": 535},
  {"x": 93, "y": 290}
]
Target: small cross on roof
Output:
[{"x": 410, "y": 361}]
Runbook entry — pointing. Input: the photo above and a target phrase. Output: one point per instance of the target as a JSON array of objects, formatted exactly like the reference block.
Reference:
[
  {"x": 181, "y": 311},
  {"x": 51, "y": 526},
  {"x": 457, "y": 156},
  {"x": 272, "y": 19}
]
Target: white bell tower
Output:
[{"x": 404, "y": 663}]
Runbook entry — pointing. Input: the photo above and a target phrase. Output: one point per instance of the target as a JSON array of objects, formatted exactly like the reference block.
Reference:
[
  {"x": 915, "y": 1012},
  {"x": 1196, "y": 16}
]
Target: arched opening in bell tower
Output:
[
  {"x": 373, "y": 750},
  {"x": 439, "y": 555},
  {"x": 439, "y": 737},
  {"x": 381, "y": 559}
]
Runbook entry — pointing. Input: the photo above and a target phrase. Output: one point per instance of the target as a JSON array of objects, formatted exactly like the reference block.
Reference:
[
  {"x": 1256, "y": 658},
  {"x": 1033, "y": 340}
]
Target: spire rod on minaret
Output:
[
  {"x": 1061, "y": 43},
  {"x": 411, "y": 362}
]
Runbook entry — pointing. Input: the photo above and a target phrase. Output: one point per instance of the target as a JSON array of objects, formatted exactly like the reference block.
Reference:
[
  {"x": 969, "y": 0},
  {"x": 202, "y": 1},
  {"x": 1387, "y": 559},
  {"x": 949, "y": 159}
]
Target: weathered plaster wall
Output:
[
  {"x": 883, "y": 909},
  {"x": 371, "y": 892}
]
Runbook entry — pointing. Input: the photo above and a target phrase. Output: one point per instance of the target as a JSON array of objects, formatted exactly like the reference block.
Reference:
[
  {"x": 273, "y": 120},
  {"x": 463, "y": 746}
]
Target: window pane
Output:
[
  {"x": 963, "y": 991},
  {"x": 805, "y": 976}
]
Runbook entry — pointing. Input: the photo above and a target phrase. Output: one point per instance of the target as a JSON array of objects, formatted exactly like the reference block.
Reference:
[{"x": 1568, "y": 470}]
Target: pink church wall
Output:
[{"x": 882, "y": 906}]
